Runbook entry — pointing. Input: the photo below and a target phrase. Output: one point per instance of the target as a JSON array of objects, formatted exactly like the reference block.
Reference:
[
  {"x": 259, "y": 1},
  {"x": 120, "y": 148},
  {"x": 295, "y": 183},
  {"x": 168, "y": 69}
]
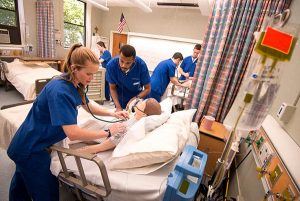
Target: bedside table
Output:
[{"x": 212, "y": 143}]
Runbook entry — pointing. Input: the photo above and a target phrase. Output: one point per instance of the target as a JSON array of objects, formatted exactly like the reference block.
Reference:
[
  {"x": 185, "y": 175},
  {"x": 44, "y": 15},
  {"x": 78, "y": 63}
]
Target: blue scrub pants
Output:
[
  {"x": 107, "y": 93},
  {"x": 33, "y": 180}
]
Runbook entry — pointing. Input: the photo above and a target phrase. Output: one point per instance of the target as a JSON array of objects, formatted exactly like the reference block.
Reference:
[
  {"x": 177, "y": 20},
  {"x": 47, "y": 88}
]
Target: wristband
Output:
[{"x": 109, "y": 133}]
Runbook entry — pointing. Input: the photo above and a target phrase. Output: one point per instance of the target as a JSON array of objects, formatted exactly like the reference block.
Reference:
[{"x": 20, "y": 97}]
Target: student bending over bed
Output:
[
  {"x": 141, "y": 108},
  {"x": 52, "y": 118}
]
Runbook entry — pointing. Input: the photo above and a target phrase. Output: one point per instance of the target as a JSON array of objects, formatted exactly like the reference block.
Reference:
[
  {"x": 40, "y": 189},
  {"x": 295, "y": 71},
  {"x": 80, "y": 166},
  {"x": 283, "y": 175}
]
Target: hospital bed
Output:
[
  {"x": 27, "y": 78},
  {"x": 178, "y": 94},
  {"x": 144, "y": 183}
]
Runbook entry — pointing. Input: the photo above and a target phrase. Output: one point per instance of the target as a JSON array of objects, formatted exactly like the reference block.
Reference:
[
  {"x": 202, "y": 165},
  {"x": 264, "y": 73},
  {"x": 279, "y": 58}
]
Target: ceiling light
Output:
[
  {"x": 142, "y": 6},
  {"x": 98, "y": 5}
]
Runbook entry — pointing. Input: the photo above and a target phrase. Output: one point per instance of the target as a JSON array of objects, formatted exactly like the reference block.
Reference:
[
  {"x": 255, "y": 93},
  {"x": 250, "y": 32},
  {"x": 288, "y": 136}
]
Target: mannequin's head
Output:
[{"x": 147, "y": 107}]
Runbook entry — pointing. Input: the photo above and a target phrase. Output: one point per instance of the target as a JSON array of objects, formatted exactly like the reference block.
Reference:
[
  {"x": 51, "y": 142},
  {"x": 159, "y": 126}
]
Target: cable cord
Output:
[
  {"x": 243, "y": 159},
  {"x": 107, "y": 121}
]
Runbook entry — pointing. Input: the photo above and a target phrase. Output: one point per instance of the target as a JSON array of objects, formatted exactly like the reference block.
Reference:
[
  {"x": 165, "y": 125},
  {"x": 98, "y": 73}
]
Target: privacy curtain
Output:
[
  {"x": 45, "y": 29},
  {"x": 226, "y": 50}
]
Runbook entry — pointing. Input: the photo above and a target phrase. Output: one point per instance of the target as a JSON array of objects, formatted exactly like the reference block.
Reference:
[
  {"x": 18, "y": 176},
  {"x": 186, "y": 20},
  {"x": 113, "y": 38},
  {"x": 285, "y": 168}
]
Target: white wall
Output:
[
  {"x": 176, "y": 22},
  {"x": 30, "y": 21},
  {"x": 184, "y": 23},
  {"x": 290, "y": 81}
]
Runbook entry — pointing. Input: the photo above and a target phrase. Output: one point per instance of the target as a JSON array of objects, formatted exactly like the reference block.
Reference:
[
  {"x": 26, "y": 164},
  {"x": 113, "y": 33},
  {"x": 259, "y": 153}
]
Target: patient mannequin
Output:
[{"x": 141, "y": 109}]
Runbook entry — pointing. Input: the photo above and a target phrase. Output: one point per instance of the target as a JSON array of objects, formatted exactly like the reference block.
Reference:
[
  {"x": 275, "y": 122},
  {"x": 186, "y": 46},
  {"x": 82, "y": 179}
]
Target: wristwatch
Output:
[{"x": 109, "y": 133}]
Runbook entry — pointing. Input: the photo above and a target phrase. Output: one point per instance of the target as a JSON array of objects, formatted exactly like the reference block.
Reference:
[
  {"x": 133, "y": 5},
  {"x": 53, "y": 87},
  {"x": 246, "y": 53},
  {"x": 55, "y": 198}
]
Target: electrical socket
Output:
[{"x": 285, "y": 112}]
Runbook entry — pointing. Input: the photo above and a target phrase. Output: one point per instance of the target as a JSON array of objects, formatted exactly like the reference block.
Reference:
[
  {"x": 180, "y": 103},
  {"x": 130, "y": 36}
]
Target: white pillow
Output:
[
  {"x": 154, "y": 121},
  {"x": 160, "y": 145},
  {"x": 156, "y": 147}
]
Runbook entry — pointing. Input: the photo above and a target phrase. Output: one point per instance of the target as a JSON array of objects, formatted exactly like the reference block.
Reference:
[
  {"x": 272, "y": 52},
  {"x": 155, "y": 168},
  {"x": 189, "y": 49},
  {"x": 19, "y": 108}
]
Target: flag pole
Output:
[
  {"x": 126, "y": 22},
  {"x": 127, "y": 26}
]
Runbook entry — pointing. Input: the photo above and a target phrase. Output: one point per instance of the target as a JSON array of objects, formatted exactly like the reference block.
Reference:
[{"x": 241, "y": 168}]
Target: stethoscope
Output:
[
  {"x": 107, "y": 121},
  {"x": 86, "y": 89}
]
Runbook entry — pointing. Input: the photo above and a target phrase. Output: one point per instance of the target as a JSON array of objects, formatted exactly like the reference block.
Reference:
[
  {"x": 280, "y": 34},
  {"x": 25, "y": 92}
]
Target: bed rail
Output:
[
  {"x": 3, "y": 71},
  {"x": 16, "y": 104},
  {"x": 181, "y": 96},
  {"x": 40, "y": 84},
  {"x": 82, "y": 186}
]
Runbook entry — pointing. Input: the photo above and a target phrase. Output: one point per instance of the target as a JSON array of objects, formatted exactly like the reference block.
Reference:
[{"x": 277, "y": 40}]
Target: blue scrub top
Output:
[
  {"x": 188, "y": 65},
  {"x": 161, "y": 76},
  {"x": 106, "y": 56},
  {"x": 55, "y": 106},
  {"x": 128, "y": 84}
]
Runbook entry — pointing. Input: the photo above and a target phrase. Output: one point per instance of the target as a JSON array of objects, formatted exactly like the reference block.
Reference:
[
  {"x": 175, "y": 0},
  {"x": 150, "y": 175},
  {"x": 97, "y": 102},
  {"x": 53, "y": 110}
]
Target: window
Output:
[
  {"x": 74, "y": 22},
  {"x": 9, "y": 22}
]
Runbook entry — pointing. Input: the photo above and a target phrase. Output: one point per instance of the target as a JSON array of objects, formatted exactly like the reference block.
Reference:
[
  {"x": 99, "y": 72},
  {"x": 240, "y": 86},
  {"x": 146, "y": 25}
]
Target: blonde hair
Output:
[{"x": 78, "y": 55}]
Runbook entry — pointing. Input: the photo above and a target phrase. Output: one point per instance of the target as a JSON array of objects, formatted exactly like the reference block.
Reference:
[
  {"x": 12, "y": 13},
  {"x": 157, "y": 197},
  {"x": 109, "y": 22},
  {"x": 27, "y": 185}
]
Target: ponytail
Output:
[{"x": 78, "y": 56}]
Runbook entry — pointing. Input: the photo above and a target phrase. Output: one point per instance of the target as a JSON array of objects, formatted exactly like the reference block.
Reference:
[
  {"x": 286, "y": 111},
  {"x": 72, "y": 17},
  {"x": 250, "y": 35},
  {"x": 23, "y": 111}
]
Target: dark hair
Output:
[
  {"x": 128, "y": 51},
  {"x": 177, "y": 55},
  {"x": 197, "y": 47},
  {"x": 102, "y": 44}
]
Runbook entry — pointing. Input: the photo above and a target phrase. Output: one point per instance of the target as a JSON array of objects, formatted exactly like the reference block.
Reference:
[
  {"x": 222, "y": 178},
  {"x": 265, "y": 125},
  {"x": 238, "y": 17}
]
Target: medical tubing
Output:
[
  {"x": 63, "y": 77},
  {"x": 107, "y": 121},
  {"x": 243, "y": 159},
  {"x": 297, "y": 99},
  {"x": 224, "y": 157}
]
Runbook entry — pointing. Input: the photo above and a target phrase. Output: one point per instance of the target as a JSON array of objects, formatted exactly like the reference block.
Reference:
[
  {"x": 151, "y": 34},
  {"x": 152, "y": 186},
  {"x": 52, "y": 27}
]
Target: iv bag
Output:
[{"x": 263, "y": 90}]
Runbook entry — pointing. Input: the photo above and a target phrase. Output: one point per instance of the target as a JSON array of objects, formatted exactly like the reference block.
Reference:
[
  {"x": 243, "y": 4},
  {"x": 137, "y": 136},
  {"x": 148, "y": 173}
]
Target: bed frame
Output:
[
  {"x": 78, "y": 184},
  {"x": 3, "y": 79},
  {"x": 81, "y": 187}
]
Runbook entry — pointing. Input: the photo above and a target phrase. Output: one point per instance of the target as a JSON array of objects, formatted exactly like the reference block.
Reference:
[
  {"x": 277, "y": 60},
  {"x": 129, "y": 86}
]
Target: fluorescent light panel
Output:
[
  {"x": 98, "y": 5},
  {"x": 141, "y": 5}
]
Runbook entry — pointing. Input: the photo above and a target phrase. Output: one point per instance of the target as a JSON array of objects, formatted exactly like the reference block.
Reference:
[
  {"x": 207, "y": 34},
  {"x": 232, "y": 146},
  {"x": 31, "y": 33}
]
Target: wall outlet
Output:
[{"x": 285, "y": 112}]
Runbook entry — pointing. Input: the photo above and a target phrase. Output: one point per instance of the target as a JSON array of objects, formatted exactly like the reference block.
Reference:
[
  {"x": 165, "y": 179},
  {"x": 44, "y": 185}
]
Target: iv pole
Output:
[{"x": 231, "y": 146}]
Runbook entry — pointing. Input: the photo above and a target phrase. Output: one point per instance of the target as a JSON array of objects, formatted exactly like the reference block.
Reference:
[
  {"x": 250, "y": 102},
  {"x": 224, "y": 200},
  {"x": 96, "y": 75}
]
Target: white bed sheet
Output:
[
  {"x": 130, "y": 186},
  {"x": 125, "y": 185},
  {"x": 22, "y": 76}
]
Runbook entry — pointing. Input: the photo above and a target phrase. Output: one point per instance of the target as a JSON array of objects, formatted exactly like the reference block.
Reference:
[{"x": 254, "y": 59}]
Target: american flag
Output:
[{"x": 121, "y": 23}]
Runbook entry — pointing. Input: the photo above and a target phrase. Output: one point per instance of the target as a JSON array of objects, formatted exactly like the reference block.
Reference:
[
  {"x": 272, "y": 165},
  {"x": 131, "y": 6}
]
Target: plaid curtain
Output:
[
  {"x": 45, "y": 28},
  {"x": 226, "y": 51}
]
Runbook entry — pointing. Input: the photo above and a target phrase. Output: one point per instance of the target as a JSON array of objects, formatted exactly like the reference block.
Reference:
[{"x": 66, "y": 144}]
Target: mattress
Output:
[
  {"x": 126, "y": 185},
  {"x": 22, "y": 76}
]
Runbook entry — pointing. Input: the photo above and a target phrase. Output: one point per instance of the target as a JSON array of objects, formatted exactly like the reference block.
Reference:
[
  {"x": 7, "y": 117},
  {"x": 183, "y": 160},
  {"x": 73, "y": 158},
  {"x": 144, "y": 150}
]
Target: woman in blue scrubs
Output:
[
  {"x": 52, "y": 118},
  {"x": 163, "y": 73},
  {"x": 104, "y": 59},
  {"x": 188, "y": 65},
  {"x": 128, "y": 77}
]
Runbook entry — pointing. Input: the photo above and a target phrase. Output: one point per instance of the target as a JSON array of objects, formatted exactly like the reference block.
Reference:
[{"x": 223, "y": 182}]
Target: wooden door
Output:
[{"x": 118, "y": 41}]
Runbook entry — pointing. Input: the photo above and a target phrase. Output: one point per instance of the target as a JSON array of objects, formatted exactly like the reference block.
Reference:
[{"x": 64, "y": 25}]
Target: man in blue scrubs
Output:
[
  {"x": 104, "y": 59},
  {"x": 163, "y": 74},
  {"x": 52, "y": 118},
  {"x": 188, "y": 65},
  {"x": 128, "y": 77}
]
